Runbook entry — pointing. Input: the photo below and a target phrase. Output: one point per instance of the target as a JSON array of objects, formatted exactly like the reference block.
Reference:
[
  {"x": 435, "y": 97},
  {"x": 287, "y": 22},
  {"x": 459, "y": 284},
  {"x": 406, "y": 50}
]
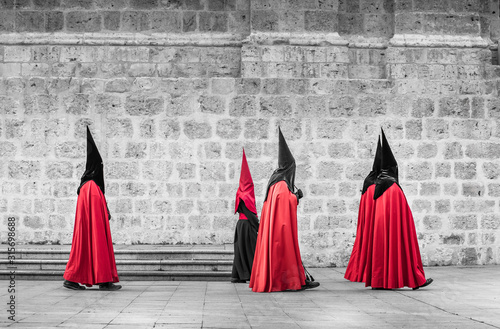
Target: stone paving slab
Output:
[{"x": 460, "y": 297}]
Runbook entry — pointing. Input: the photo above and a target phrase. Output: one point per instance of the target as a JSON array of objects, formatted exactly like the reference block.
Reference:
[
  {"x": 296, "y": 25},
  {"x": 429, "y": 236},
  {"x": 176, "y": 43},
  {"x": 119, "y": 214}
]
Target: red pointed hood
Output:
[{"x": 246, "y": 189}]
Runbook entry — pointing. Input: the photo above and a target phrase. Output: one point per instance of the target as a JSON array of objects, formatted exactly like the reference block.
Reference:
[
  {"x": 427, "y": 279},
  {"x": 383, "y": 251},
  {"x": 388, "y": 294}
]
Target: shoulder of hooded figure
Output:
[
  {"x": 95, "y": 190},
  {"x": 281, "y": 187},
  {"x": 281, "y": 190}
]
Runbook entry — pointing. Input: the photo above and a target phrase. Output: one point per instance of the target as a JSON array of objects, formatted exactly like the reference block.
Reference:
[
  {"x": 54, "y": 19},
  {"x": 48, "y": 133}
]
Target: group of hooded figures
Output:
[{"x": 385, "y": 254}]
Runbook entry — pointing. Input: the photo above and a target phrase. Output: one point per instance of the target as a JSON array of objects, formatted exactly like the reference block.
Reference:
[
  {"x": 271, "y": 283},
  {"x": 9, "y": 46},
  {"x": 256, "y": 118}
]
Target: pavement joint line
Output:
[
  {"x": 241, "y": 304},
  {"x": 281, "y": 307},
  {"x": 204, "y": 303},
  {"x": 42, "y": 293},
  {"x": 81, "y": 311},
  {"x": 448, "y": 312},
  {"x": 109, "y": 292},
  {"x": 374, "y": 296},
  {"x": 166, "y": 304},
  {"x": 73, "y": 314}
]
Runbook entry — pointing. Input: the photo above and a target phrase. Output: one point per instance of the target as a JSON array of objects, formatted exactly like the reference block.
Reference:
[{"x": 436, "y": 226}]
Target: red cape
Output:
[
  {"x": 387, "y": 253},
  {"x": 92, "y": 259},
  {"x": 277, "y": 264},
  {"x": 359, "y": 266}
]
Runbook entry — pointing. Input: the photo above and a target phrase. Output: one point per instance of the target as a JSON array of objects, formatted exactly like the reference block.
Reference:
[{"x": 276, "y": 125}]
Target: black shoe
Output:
[
  {"x": 310, "y": 285},
  {"x": 427, "y": 282},
  {"x": 109, "y": 286},
  {"x": 380, "y": 288},
  {"x": 233, "y": 280},
  {"x": 72, "y": 285}
]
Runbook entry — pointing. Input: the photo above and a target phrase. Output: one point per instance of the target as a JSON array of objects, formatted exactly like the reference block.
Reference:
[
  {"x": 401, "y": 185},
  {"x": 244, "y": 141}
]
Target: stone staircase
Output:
[{"x": 133, "y": 262}]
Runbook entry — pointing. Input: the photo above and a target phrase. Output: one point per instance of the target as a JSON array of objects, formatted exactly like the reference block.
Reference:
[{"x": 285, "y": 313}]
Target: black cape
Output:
[
  {"x": 389, "y": 174},
  {"x": 94, "y": 169},
  {"x": 286, "y": 167}
]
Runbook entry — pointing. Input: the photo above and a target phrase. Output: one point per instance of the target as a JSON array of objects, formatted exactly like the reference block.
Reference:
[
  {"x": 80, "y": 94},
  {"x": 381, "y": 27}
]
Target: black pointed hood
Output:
[
  {"x": 388, "y": 169},
  {"x": 388, "y": 162},
  {"x": 285, "y": 157},
  {"x": 372, "y": 176},
  {"x": 377, "y": 161},
  {"x": 286, "y": 166},
  {"x": 94, "y": 169}
]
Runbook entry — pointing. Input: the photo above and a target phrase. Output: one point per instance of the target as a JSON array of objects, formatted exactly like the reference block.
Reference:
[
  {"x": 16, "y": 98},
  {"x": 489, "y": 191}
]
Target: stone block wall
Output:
[
  {"x": 124, "y": 16},
  {"x": 172, "y": 91}
]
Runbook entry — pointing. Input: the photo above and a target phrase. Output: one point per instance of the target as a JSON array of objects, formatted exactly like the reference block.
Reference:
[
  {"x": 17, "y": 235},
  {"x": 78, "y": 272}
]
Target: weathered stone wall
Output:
[
  {"x": 173, "y": 89},
  {"x": 147, "y": 16}
]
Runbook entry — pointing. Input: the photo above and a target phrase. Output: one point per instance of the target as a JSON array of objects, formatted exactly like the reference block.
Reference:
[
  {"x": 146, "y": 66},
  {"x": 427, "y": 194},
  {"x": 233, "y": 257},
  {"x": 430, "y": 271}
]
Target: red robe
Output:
[
  {"x": 359, "y": 267},
  {"x": 277, "y": 264},
  {"x": 389, "y": 256},
  {"x": 92, "y": 259}
]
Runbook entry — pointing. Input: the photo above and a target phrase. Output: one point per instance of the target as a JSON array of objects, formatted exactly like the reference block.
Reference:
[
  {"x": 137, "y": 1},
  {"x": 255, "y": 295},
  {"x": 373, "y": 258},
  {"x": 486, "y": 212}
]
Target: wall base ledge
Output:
[
  {"x": 296, "y": 39},
  {"x": 358, "y": 41},
  {"x": 439, "y": 41},
  {"x": 236, "y": 40},
  {"x": 123, "y": 39}
]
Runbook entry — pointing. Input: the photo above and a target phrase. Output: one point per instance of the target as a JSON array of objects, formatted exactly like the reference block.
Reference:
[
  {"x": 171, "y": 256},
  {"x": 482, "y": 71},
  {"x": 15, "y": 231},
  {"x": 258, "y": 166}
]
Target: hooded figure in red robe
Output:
[
  {"x": 277, "y": 263},
  {"x": 359, "y": 266},
  {"x": 392, "y": 257},
  {"x": 92, "y": 259},
  {"x": 245, "y": 235}
]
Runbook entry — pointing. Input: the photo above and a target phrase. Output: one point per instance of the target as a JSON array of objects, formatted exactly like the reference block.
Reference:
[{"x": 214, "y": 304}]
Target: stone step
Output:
[
  {"x": 191, "y": 254},
  {"x": 125, "y": 265},
  {"x": 55, "y": 275},
  {"x": 133, "y": 262}
]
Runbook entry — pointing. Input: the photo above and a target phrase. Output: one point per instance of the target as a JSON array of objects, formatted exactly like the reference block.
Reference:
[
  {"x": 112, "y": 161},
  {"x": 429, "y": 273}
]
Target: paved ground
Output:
[{"x": 459, "y": 298}]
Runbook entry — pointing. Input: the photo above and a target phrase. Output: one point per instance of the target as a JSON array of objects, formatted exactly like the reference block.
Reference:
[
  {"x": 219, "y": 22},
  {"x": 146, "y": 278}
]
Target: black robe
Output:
[{"x": 245, "y": 239}]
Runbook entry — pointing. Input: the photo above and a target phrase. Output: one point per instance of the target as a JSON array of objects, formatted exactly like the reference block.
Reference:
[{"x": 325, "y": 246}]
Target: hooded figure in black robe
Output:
[
  {"x": 245, "y": 235},
  {"x": 92, "y": 259},
  {"x": 277, "y": 263},
  {"x": 393, "y": 256}
]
